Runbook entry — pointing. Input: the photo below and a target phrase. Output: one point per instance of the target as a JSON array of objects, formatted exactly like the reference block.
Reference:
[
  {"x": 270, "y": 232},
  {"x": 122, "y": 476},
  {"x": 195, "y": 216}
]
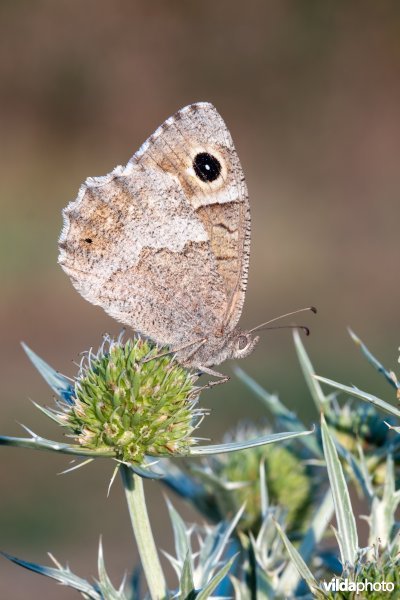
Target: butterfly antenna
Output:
[
  {"x": 302, "y": 327},
  {"x": 289, "y": 314}
]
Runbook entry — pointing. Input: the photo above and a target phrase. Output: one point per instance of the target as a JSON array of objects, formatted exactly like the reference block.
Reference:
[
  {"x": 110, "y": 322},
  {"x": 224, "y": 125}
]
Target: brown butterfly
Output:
[{"x": 163, "y": 244}]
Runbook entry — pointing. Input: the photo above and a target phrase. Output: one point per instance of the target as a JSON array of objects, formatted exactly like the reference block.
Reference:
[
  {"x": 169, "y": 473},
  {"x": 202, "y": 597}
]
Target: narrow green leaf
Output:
[
  {"x": 60, "y": 384},
  {"x": 180, "y": 534},
  {"x": 107, "y": 588},
  {"x": 308, "y": 371},
  {"x": 234, "y": 446},
  {"x": 64, "y": 576},
  {"x": 146, "y": 471},
  {"x": 365, "y": 477},
  {"x": 186, "y": 584},
  {"x": 223, "y": 532},
  {"x": 354, "y": 391},
  {"x": 346, "y": 522},
  {"x": 51, "y": 414},
  {"x": 207, "y": 590},
  {"x": 383, "y": 510},
  {"x": 39, "y": 443},
  {"x": 290, "y": 576},
  {"x": 373, "y": 361},
  {"x": 295, "y": 557},
  {"x": 207, "y": 545},
  {"x": 359, "y": 468}
]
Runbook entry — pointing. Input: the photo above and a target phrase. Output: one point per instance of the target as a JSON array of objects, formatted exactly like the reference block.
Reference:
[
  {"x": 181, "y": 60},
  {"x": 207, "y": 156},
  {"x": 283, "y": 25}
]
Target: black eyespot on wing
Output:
[
  {"x": 206, "y": 166},
  {"x": 88, "y": 240}
]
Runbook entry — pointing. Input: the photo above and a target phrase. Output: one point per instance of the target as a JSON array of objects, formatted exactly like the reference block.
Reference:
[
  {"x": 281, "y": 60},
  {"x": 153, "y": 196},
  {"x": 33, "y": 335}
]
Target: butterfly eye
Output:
[
  {"x": 206, "y": 167},
  {"x": 243, "y": 342}
]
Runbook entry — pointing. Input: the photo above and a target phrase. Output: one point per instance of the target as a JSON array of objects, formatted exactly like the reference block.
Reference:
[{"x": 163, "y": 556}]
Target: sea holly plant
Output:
[
  {"x": 365, "y": 572},
  {"x": 277, "y": 560},
  {"x": 268, "y": 506},
  {"x": 372, "y": 571},
  {"x": 132, "y": 402}
]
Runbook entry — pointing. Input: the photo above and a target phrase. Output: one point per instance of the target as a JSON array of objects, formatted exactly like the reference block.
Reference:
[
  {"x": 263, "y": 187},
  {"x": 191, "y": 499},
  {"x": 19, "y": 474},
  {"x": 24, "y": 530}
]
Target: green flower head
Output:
[
  {"x": 134, "y": 400},
  {"x": 233, "y": 480}
]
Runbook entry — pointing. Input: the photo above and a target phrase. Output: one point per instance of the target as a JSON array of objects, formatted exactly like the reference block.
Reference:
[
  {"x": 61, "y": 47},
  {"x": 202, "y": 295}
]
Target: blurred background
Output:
[{"x": 311, "y": 94}]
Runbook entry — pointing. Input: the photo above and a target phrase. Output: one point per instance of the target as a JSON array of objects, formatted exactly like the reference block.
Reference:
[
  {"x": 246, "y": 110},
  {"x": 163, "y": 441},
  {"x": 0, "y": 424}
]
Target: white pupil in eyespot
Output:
[{"x": 207, "y": 167}]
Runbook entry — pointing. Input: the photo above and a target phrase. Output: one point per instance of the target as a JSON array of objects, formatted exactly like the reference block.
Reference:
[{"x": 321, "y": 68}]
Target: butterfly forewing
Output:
[
  {"x": 220, "y": 202},
  {"x": 163, "y": 244}
]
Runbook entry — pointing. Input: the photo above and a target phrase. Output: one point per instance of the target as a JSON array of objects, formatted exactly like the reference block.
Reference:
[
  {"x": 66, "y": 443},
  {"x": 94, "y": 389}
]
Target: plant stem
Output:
[{"x": 133, "y": 486}]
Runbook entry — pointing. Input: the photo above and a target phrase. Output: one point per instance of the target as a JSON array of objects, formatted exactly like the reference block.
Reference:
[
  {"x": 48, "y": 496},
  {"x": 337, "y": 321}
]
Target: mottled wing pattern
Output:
[
  {"x": 158, "y": 249},
  {"x": 221, "y": 205}
]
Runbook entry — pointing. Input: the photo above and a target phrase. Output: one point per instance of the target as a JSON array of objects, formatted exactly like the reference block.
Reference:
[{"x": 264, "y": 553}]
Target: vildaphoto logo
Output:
[{"x": 346, "y": 585}]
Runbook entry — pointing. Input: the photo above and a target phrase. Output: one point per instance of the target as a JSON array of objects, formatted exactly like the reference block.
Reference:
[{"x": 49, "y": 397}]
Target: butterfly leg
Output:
[{"x": 221, "y": 377}]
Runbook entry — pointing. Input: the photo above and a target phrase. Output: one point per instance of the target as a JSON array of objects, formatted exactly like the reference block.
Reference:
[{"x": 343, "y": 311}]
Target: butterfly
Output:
[{"x": 163, "y": 244}]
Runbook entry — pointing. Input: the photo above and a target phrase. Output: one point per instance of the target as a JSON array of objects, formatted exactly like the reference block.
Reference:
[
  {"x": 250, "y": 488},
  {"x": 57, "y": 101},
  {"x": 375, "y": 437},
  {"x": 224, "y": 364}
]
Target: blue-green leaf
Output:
[
  {"x": 181, "y": 540},
  {"x": 347, "y": 530},
  {"x": 308, "y": 371},
  {"x": 186, "y": 584},
  {"x": 354, "y": 391},
  {"x": 222, "y": 535},
  {"x": 36, "y": 442},
  {"x": 208, "y": 589},
  {"x": 322, "y": 516},
  {"x": 145, "y": 471},
  {"x": 242, "y": 445},
  {"x": 297, "y": 560},
  {"x": 60, "y": 384},
  {"x": 383, "y": 511},
  {"x": 374, "y": 361},
  {"x": 105, "y": 585},
  {"x": 62, "y": 575}
]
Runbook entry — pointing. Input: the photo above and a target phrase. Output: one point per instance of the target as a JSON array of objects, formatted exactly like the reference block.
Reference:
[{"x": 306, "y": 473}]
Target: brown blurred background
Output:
[{"x": 311, "y": 94}]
